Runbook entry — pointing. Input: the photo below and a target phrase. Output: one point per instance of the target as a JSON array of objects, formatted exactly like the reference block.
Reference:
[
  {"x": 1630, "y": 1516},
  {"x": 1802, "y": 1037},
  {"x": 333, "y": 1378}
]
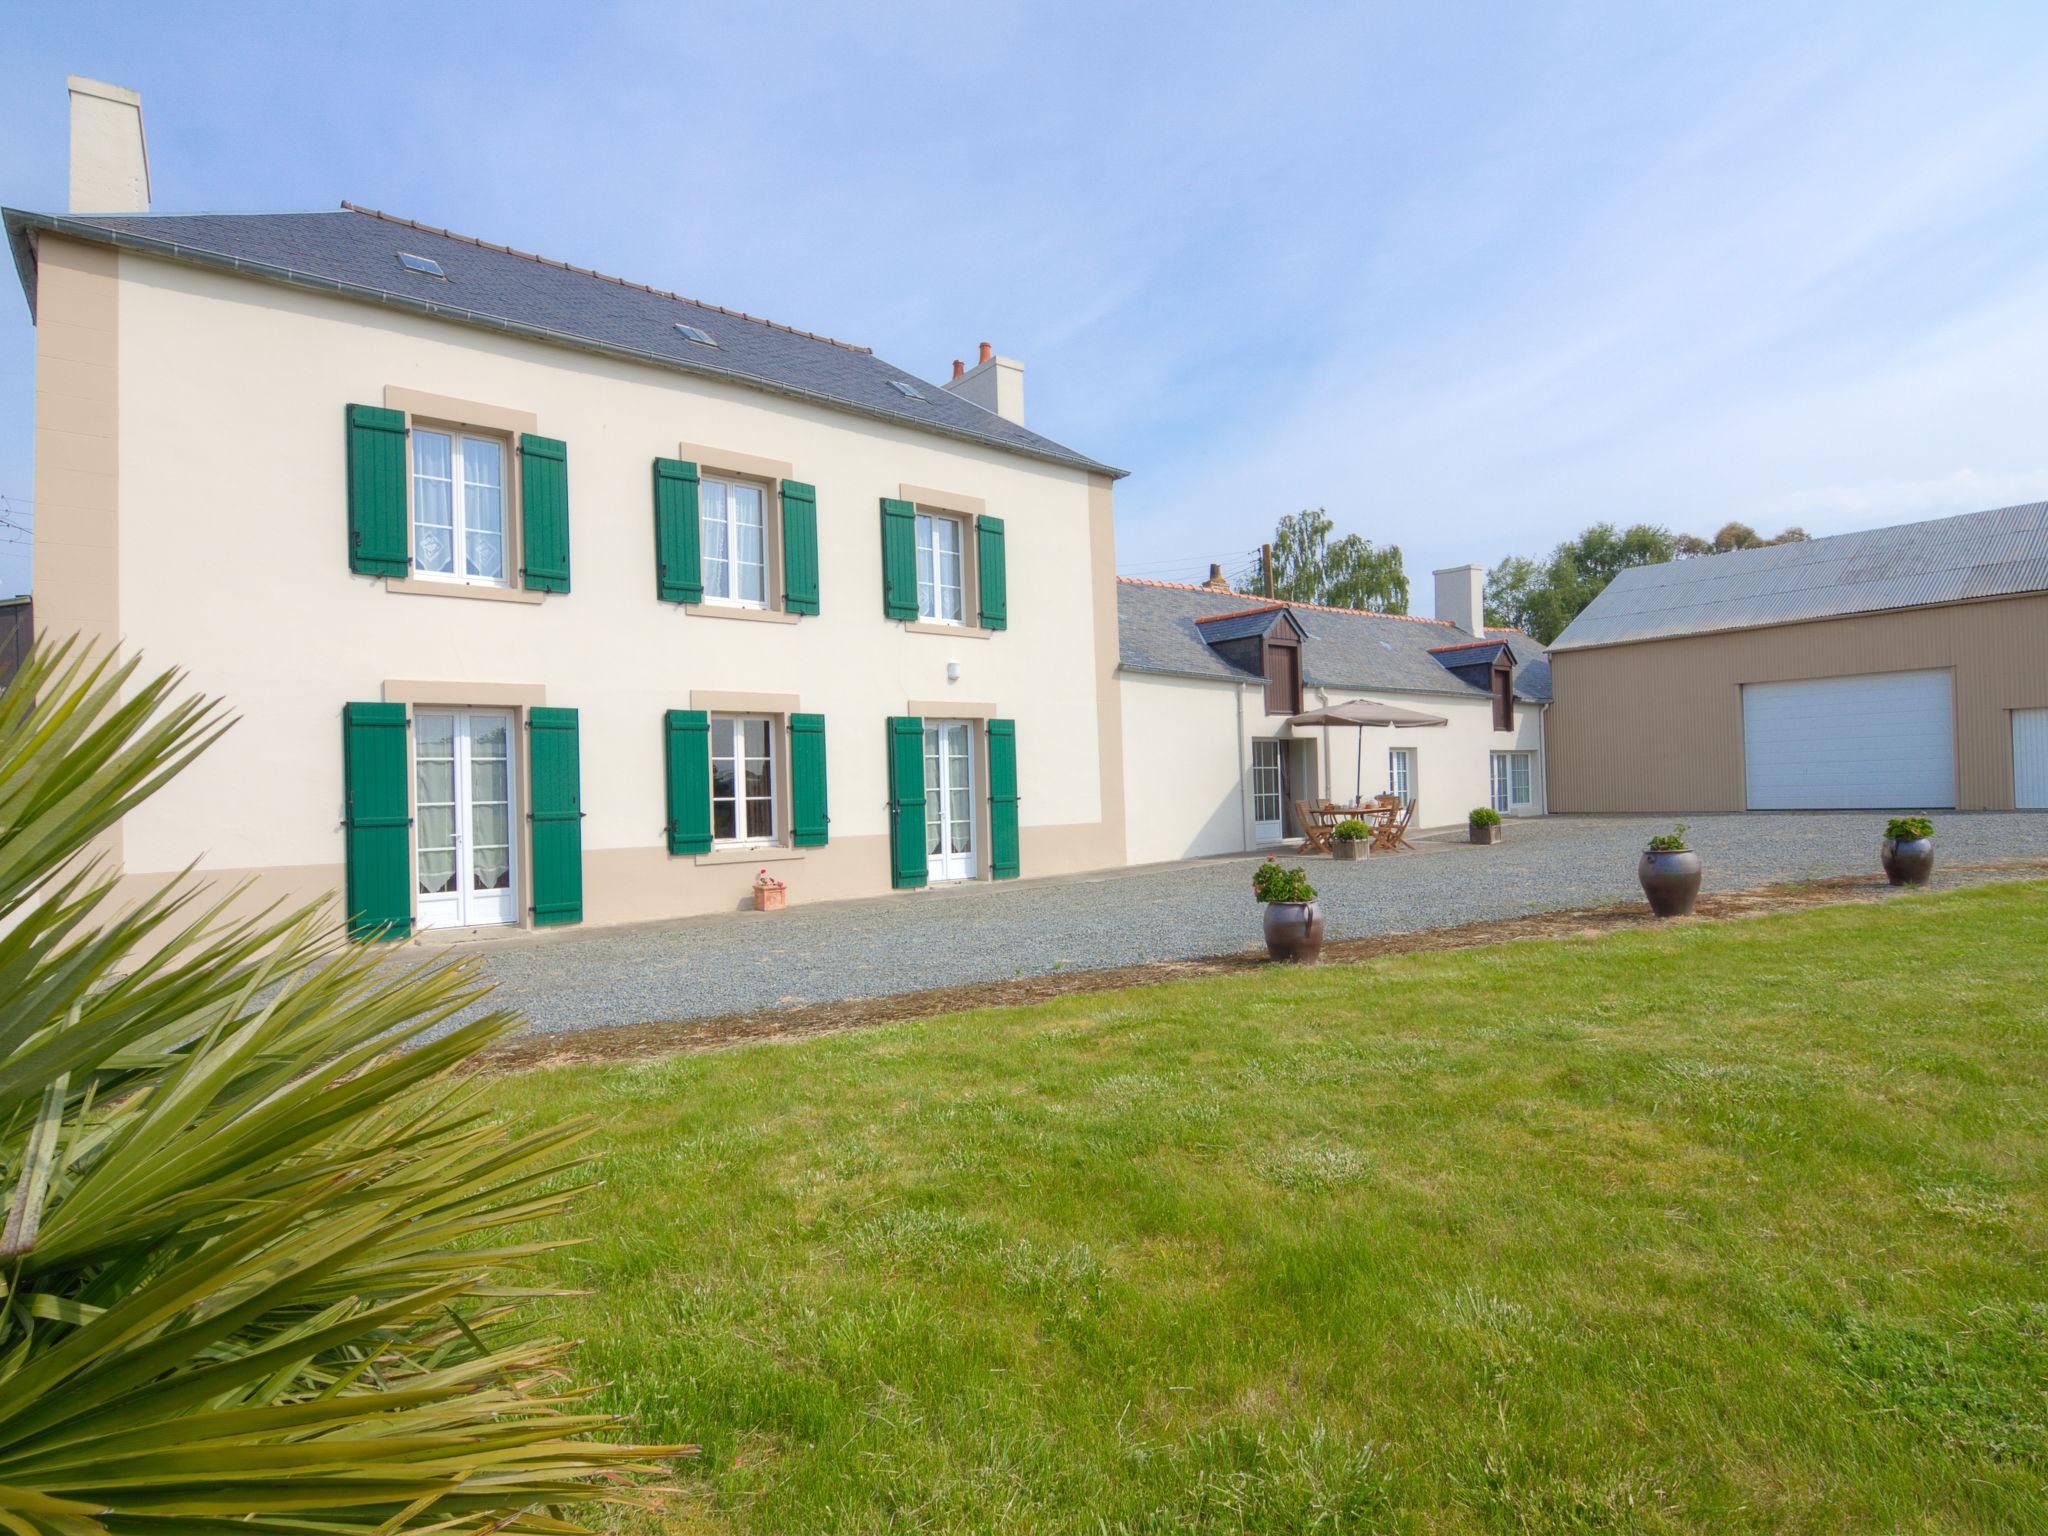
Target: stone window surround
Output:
[
  {"x": 778, "y": 707},
  {"x": 967, "y": 509},
  {"x": 770, "y": 473},
  {"x": 439, "y": 411}
]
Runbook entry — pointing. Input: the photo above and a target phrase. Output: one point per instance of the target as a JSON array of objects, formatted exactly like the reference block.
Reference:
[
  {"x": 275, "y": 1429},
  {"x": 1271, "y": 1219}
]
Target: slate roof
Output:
[
  {"x": 354, "y": 252},
  {"x": 1950, "y": 559},
  {"x": 1342, "y": 648}
]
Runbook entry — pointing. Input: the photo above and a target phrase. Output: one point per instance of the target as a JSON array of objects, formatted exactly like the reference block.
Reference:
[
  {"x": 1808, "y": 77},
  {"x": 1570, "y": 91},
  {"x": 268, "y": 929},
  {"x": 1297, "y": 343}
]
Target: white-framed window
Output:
[
  {"x": 742, "y": 780},
  {"x": 458, "y": 507},
  {"x": 734, "y": 519},
  {"x": 941, "y": 569},
  {"x": 1401, "y": 772},
  {"x": 1513, "y": 775}
]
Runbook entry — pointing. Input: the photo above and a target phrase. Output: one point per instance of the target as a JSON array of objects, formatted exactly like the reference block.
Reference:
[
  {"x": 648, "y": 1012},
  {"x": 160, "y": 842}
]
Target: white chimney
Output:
[
  {"x": 109, "y": 161},
  {"x": 1461, "y": 597},
  {"x": 995, "y": 384}
]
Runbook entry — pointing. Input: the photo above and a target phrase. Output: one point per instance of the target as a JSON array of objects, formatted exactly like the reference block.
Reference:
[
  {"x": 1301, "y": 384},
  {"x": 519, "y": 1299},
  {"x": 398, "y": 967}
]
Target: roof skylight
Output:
[
  {"x": 904, "y": 390},
  {"x": 424, "y": 265},
  {"x": 696, "y": 333}
]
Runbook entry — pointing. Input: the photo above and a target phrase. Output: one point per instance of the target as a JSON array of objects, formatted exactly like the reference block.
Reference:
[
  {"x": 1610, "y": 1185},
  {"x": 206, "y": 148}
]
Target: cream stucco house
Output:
[
  {"x": 1212, "y": 680},
  {"x": 546, "y": 597}
]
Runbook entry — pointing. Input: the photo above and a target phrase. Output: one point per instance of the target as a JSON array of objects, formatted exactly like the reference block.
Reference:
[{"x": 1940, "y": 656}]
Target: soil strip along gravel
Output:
[{"x": 637, "y": 1042}]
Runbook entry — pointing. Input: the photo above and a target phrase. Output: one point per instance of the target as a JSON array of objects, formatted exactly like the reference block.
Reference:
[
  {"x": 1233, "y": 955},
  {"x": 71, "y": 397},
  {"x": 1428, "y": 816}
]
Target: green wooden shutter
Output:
[
  {"x": 687, "y": 737},
  {"x": 899, "y": 563},
  {"x": 678, "y": 550},
  {"x": 994, "y": 573},
  {"x": 906, "y": 801},
  {"x": 554, "y": 782},
  {"x": 799, "y": 547},
  {"x": 379, "y": 543},
  {"x": 1003, "y": 851},
  {"x": 544, "y": 512},
  {"x": 377, "y": 799},
  {"x": 809, "y": 819}
]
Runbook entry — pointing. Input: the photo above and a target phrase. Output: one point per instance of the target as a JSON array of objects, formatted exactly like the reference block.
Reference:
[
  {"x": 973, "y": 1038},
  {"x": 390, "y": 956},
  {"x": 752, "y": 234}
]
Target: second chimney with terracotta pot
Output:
[{"x": 994, "y": 383}]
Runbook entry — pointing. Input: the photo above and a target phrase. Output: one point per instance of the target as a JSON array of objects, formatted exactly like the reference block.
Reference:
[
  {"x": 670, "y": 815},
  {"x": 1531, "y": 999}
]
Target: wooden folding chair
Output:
[
  {"x": 1392, "y": 836},
  {"x": 1315, "y": 829}
]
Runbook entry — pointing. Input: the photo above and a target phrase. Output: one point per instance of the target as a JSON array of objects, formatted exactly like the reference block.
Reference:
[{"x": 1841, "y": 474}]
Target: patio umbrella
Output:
[{"x": 1361, "y": 713}]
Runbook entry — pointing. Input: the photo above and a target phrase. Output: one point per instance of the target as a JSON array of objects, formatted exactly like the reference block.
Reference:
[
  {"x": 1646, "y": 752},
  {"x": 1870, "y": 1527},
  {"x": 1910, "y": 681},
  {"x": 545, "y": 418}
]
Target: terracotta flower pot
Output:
[
  {"x": 1907, "y": 861},
  {"x": 1349, "y": 847},
  {"x": 1294, "y": 931},
  {"x": 1485, "y": 834},
  {"x": 770, "y": 898},
  {"x": 1671, "y": 881}
]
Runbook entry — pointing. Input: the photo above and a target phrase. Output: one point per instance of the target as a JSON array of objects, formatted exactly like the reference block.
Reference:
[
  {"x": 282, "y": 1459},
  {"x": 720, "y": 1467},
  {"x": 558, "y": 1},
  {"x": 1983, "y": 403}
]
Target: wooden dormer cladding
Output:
[
  {"x": 1281, "y": 660},
  {"x": 1501, "y": 677}
]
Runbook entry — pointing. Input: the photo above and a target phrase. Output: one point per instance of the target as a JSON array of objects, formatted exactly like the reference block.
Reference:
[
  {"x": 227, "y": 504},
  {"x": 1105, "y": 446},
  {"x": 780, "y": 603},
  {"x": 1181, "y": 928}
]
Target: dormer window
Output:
[
  {"x": 1503, "y": 680},
  {"x": 1283, "y": 671}
]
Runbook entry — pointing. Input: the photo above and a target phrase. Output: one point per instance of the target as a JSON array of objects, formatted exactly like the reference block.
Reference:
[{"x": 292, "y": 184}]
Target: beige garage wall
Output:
[
  {"x": 1657, "y": 727},
  {"x": 233, "y": 467}
]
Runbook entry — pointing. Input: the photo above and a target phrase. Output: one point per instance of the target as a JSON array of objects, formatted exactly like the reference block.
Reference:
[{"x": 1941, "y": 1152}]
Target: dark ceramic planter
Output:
[
  {"x": 1294, "y": 931},
  {"x": 1907, "y": 861},
  {"x": 1349, "y": 847},
  {"x": 1671, "y": 881},
  {"x": 1485, "y": 834}
]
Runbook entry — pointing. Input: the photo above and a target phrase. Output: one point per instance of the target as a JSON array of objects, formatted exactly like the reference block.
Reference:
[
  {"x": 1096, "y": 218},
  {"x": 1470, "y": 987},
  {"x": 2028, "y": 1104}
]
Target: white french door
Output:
[
  {"x": 949, "y": 799},
  {"x": 1269, "y": 791},
  {"x": 463, "y": 800}
]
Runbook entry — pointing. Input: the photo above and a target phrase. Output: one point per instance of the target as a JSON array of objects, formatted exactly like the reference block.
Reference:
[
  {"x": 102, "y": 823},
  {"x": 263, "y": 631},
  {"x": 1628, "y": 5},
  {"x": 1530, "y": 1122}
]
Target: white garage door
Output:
[
  {"x": 2030, "y": 759},
  {"x": 1845, "y": 743}
]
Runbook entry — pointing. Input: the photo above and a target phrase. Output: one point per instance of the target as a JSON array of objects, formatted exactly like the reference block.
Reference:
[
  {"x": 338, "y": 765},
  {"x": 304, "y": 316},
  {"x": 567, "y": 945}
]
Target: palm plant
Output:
[{"x": 257, "y": 1264}]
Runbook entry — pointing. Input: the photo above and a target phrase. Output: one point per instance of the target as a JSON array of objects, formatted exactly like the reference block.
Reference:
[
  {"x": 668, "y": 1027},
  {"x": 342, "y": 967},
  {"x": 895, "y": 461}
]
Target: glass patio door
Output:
[
  {"x": 949, "y": 800},
  {"x": 1269, "y": 791},
  {"x": 462, "y": 792}
]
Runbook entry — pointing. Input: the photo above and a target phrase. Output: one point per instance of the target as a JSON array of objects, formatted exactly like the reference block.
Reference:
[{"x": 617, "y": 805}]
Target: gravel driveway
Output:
[{"x": 733, "y": 962}]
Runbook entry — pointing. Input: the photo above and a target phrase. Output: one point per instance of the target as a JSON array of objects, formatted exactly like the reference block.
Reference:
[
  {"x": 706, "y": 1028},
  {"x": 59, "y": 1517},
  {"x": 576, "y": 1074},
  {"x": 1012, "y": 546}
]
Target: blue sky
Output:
[{"x": 1470, "y": 277}]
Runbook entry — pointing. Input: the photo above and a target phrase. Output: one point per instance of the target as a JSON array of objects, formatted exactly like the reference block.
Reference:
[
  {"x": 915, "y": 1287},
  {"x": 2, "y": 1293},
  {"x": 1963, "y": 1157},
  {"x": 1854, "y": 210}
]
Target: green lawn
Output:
[{"x": 1735, "y": 1227}]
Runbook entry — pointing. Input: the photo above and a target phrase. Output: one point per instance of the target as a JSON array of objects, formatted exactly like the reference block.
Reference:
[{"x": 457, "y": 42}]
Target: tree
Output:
[
  {"x": 1542, "y": 597},
  {"x": 1542, "y": 600},
  {"x": 1350, "y": 573},
  {"x": 1735, "y": 536},
  {"x": 257, "y": 1245}
]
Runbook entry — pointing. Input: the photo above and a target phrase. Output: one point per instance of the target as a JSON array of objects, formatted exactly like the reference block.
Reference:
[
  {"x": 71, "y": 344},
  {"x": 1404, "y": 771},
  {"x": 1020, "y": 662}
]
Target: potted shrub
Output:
[
  {"x": 1294, "y": 928},
  {"x": 770, "y": 894},
  {"x": 1670, "y": 873},
  {"x": 1350, "y": 838},
  {"x": 1907, "y": 851},
  {"x": 1484, "y": 824}
]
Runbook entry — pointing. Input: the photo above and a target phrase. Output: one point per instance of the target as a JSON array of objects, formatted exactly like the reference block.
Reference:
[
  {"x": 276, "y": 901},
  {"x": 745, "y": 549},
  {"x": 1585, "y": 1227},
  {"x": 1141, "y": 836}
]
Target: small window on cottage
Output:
[
  {"x": 742, "y": 780},
  {"x": 735, "y": 541},
  {"x": 941, "y": 569},
  {"x": 458, "y": 507}
]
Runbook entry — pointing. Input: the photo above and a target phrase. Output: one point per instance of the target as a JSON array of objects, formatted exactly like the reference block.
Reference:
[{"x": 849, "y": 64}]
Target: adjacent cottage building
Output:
[
  {"x": 1212, "y": 680},
  {"x": 1899, "y": 668},
  {"x": 546, "y": 597}
]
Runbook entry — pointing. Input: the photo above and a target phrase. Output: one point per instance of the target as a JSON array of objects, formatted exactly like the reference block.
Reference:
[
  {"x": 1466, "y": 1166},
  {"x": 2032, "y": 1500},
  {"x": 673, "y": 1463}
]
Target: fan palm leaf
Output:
[{"x": 258, "y": 1263}]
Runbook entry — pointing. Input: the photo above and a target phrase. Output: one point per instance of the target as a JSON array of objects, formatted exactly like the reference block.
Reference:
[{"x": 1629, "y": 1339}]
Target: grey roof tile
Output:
[
  {"x": 1342, "y": 649},
  {"x": 1950, "y": 559},
  {"x": 355, "y": 252}
]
